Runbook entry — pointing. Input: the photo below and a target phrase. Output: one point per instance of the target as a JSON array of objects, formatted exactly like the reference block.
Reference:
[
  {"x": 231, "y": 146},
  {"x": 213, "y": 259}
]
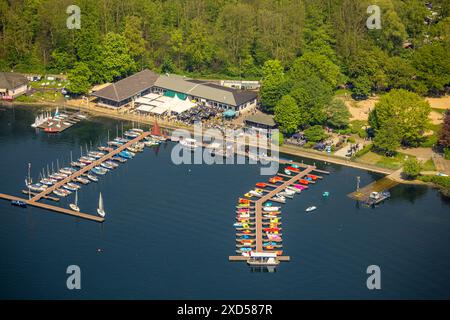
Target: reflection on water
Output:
[{"x": 169, "y": 232}]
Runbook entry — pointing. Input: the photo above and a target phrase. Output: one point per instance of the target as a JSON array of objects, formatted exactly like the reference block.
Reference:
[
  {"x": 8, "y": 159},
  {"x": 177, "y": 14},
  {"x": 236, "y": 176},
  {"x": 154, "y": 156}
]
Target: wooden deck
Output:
[
  {"x": 54, "y": 208},
  {"x": 45, "y": 194},
  {"x": 376, "y": 186}
]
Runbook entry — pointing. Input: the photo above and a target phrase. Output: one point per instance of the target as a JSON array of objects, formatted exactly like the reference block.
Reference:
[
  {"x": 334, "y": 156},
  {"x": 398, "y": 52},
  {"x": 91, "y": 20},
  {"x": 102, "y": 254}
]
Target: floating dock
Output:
[
  {"x": 268, "y": 196},
  {"x": 45, "y": 194},
  {"x": 57, "y": 126},
  {"x": 363, "y": 194}
]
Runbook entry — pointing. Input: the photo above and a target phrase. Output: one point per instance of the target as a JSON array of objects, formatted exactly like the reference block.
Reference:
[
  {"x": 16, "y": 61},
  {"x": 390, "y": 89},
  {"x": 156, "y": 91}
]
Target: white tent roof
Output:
[
  {"x": 145, "y": 108},
  {"x": 180, "y": 106},
  {"x": 159, "y": 110}
]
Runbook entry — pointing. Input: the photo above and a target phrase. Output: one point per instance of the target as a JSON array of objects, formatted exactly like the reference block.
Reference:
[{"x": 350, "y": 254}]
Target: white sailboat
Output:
[
  {"x": 74, "y": 206},
  {"x": 101, "y": 211}
]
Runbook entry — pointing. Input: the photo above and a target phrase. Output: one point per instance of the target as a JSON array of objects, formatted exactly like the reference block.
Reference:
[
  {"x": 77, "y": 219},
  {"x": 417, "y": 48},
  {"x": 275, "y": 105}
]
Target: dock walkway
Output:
[{"x": 45, "y": 194}]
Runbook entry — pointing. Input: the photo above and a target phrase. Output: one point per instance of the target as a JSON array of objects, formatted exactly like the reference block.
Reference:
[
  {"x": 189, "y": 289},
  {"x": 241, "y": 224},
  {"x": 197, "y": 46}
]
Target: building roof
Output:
[
  {"x": 128, "y": 87},
  {"x": 146, "y": 79},
  {"x": 261, "y": 118},
  {"x": 10, "y": 81},
  {"x": 204, "y": 89}
]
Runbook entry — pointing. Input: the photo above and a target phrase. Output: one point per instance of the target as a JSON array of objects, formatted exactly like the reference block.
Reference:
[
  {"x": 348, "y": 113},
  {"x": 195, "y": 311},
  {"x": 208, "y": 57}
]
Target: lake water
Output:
[{"x": 168, "y": 232}]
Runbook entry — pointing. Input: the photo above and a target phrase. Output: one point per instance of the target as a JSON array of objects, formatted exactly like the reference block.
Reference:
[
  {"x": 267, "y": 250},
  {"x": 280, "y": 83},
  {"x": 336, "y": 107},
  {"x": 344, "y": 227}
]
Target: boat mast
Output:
[
  {"x": 29, "y": 173},
  {"x": 71, "y": 157}
]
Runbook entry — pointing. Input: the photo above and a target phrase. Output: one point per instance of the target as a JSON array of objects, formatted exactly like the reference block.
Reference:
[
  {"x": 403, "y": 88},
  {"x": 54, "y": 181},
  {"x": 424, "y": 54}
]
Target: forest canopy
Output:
[{"x": 321, "y": 43}]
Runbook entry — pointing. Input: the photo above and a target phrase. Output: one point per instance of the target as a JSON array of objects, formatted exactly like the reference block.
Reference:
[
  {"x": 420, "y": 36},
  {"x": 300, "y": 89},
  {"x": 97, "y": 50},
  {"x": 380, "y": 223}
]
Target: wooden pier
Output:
[
  {"x": 45, "y": 194},
  {"x": 268, "y": 196},
  {"x": 57, "y": 126},
  {"x": 363, "y": 194}
]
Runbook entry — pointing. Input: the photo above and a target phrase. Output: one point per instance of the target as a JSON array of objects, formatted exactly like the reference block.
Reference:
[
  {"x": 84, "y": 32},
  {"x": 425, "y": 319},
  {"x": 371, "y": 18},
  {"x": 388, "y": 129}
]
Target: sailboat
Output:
[
  {"x": 101, "y": 211},
  {"x": 74, "y": 206}
]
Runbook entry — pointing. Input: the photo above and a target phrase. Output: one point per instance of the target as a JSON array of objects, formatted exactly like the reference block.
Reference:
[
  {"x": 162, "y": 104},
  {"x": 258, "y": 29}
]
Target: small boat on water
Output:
[
  {"x": 126, "y": 154},
  {"x": 188, "y": 143},
  {"x": 70, "y": 187},
  {"x": 101, "y": 210},
  {"x": 81, "y": 180},
  {"x": 36, "y": 187},
  {"x": 325, "y": 194},
  {"x": 68, "y": 170},
  {"x": 286, "y": 171},
  {"x": 119, "y": 159},
  {"x": 107, "y": 166},
  {"x": 271, "y": 209},
  {"x": 92, "y": 177},
  {"x": 261, "y": 185},
  {"x": 99, "y": 170},
  {"x": 106, "y": 149},
  {"x": 312, "y": 208},
  {"x": 78, "y": 164},
  {"x": 74, "y": 206},
  {"x": 19, "y": 203},
  {"x": 47, "y": 181}
]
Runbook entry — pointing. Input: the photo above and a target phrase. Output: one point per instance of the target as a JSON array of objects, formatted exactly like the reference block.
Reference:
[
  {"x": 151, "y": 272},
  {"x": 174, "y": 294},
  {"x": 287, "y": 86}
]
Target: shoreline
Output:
[{"x": 286, "y": 149}]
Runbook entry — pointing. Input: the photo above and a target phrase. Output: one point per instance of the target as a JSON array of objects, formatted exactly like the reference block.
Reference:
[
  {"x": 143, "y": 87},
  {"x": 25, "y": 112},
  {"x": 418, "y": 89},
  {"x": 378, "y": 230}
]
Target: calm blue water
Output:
[{"x": 169, "y": 233}]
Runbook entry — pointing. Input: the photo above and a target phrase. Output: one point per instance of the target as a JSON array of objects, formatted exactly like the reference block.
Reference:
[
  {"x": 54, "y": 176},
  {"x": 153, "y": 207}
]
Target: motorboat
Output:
[
  {"x": 111, "y": 163},
  {"x": 189, "y": 143},
  {"x": 19, "y": 203},
  {"x": 325, "y": 194},
  {"x": 312, "y": 208},
  {"x": 107, "y": 166},
  {"x": 81, "y": 180},
  {"x": 263, "y": 259},
  {"x": 255, "y": 193},
  {"x": 92, "y": 177},
  {"x": 99, "y": 170},
  {"x": 119, "y": 159},
  {"x": 261, "y": 185},
  {"x": 126, "y": 154}
]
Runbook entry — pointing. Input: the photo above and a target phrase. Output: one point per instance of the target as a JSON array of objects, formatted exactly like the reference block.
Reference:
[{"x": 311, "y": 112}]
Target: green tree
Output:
[
  {"x": 273, "y": 85},
  {"x": 79, "y": 79},
  {"x": 315, "y": 65},
  {"x": 116, "y": 59},
  {"x": 412, "y": 168},
  {"x": 404, "y": 110},
  {"x": 287, "y": 115},
  {"x": 315, "y": 133},
  {"x": 387, "y": 138},
  {"x": 432, "y": 62},
  {"x": 312, "y": 95},
  {"x": 134, "y": 38},
  {"x": 338, "y": 114}
]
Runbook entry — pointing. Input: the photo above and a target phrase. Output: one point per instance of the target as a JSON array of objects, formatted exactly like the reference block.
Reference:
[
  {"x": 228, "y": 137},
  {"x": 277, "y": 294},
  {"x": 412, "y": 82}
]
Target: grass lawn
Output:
[
  {"x": 393, "y": 163},
  {"x": 428, "y": 166}
]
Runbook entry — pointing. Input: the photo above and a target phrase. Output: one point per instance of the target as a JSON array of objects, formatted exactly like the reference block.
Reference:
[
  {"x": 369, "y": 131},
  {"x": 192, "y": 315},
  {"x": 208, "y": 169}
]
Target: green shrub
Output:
[
  {"x": 412, "y": 168},
  {"x": 309, "y": 144},
  {"x": 447, "y": 153},
  {"x": 429, "y": 142},
  {"x": 363, "y": 151},
  {"x": 362, "y": 133},
  {"x": 351, "y": 140},
  {"x": 440, "y": 181}
]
